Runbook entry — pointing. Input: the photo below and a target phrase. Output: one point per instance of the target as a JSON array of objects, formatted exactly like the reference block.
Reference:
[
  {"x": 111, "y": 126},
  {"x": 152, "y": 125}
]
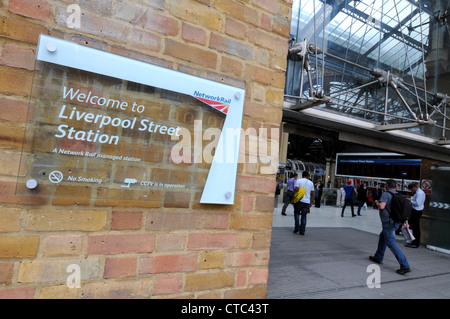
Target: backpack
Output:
[
  {"x": 401, "y": 208},
  {"x": 299, "y": 194}
]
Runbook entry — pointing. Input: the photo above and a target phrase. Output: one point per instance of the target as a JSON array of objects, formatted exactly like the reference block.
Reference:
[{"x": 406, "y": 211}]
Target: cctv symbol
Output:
[{"x": 129, "y": 181}]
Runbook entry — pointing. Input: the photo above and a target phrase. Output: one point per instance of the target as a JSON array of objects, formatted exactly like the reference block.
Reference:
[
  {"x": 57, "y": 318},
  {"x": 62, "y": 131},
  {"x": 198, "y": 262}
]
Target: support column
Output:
[
  {"x": 327, "y": 171},
  {"x": 332, "y": 174},
  {"x": 284, "y": 139}
]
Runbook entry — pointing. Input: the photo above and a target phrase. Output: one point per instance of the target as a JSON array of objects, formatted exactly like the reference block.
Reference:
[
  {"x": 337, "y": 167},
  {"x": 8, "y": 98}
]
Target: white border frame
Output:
[{"x": 220, "y": 186}]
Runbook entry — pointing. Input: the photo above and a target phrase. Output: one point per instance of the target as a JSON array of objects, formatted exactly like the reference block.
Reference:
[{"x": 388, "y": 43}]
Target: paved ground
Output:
[{"x": 331, "y": 260}]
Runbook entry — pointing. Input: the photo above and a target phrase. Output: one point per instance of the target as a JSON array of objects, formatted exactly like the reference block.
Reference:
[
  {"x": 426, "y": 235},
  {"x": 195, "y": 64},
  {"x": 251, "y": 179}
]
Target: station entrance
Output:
[
  {"x": 371, "y": 77},
  {"x": 321, "y": 148}
]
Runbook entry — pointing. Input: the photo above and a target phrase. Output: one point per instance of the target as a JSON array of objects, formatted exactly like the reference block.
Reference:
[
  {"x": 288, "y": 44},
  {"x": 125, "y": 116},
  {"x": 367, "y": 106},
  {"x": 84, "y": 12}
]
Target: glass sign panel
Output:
[{"x": 109, "y": 128}]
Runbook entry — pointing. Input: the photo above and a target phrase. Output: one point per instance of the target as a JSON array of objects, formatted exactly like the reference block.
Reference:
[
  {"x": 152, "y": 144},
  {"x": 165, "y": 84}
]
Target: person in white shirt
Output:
[
  {"x": 417, "y": 202},
  {"x": 303, "y": 206}
]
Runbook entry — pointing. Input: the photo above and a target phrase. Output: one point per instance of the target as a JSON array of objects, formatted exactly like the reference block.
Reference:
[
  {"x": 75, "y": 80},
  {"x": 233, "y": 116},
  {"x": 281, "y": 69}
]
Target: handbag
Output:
[
  {"x": 299, "y": 194},
  {"x": 407, "y": 233}
]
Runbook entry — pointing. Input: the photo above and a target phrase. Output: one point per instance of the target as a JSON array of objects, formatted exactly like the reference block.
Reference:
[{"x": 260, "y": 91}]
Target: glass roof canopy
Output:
[{"x": 373, "y": 59}]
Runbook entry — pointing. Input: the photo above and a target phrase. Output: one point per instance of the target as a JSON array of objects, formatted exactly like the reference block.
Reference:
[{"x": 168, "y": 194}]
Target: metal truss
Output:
[{"x": 403, "y": 105}]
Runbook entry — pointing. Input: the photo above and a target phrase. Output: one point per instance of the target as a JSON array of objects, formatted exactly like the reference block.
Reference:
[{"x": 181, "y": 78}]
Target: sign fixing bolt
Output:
[{"x": 51, "y": 47}]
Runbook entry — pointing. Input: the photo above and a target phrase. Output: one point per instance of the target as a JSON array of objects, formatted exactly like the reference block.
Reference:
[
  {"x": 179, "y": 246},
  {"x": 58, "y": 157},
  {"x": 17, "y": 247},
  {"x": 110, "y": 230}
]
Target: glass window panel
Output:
[
  {"x": 376, "y": 34},
  {"x": 93, "y": 136}
]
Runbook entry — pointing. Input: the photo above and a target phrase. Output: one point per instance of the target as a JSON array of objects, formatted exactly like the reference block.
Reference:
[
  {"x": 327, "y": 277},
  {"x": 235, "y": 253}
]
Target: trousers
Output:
[
  {"x": 387, "y": 240},
  {"x": 300, "y": 213}
]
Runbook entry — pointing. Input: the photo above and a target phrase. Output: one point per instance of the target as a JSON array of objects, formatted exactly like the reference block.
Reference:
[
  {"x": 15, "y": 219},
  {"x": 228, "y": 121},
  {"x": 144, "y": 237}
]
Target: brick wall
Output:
[{"x": 128, "y": 250}]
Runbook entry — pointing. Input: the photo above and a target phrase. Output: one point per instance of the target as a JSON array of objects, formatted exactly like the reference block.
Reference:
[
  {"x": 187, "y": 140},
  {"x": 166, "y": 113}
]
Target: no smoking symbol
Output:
[
  {"x": 427, "y": 186},
  {"x": 55, "y": 177}
]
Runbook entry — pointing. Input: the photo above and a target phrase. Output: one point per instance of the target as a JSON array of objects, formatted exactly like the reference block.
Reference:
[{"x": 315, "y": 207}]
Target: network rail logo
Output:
[{"x": 220, "y": 103}]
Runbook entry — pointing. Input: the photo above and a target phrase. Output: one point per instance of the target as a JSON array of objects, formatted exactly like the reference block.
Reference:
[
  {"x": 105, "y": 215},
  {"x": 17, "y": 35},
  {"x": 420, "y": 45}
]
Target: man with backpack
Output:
[{"x": 393, "y": 210}]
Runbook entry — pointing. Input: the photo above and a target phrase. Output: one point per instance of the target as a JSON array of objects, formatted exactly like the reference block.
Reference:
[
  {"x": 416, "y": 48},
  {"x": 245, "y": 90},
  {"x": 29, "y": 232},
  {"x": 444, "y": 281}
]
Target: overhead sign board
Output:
[
  {"x": 105, "y": 126},
  {"x": 378, "y": 165}
]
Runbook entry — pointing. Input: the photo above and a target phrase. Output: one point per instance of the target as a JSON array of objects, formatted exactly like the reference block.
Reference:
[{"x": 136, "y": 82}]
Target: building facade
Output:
[{"x": 87, "y": 242}]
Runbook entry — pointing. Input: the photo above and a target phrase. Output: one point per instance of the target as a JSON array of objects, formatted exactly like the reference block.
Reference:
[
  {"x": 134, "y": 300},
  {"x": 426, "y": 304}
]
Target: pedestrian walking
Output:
[
  {"x": 387, "y": 235},
  {"x": 303, "y": 206},
  {"x": 376, "y": 194},
  {"x": 363, "y": 196},
  {"x": 289, "y": 192},
  {"x": 349, "y": 189}
]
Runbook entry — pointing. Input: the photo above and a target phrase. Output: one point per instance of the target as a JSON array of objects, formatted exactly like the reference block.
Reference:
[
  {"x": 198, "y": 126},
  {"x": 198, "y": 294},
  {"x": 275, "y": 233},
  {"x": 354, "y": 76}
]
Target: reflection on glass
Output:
[{"x": 107, "y": 139}]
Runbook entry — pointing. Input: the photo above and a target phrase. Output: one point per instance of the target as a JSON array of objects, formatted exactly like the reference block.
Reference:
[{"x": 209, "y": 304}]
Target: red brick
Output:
[
  {"x": 262, "y": 258},
  {"x": 282, "y": 29},
  {"x": 167, "y": 285},
  {"x": 269, "y": 41},
  {"x": 17, "y": 57},
  {"x": 193, "y": 34},
  {"x": 120, "y": 267},
  {"x": 146, "y": 19},
  {"x": 168, "y": 263},
  {"x": 6, "y": 273},
  {"x": 8, "y": 194},
  {"x": 268, "y": 5},
  {"x": 177, "y": 199},
  {"x": 13, "y": 110},
  {"x": 238, "y": 10},
  {"x": 235, "y": 29},
  {"x": 216, "y": 221},
  {"x": 173, "y": 221},
  {"x": 259, "y": 74},
  {"x": 126, "y": 220},
  {"x": 241, "y": 259},
  {"x": 18, "y": 293},
  {"x": 261, "y": 240},
  {"x": 145, "y": 40},
  {"x": 257, "y": 276},
  {"x": 190, "y": 53},
  {"x": 118, "y": 289},
  {"x": 241, "y": 279},
  {"x": 213, "y": 241},
  {"x": 100, "y": 26},
  {"x": 248, "y": 203},
  {"x": 266, "y": 22},
  {"x": 121, "y": 244},
  {"x": 161, "y": 24},
  {"x": 37, "y": 9},
  {"x": 264, "y": 203},
  {"x": 171, "y": 242},
  {"x": 231, "y": 66},
  {"x": 256, "y": 184},
  {"x": 231, "y": 46},
  {"x": 63, "y": 245}
]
